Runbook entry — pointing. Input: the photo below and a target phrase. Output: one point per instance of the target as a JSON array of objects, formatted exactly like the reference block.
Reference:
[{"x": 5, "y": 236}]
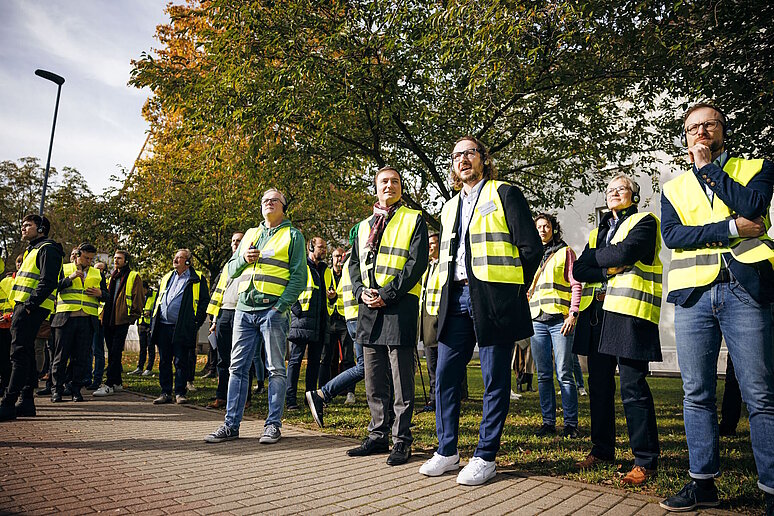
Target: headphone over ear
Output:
[
  {"x": 188, "y": 262},
  {"x": 636, "y": 193},
  {"x": 310, "y": 245}
]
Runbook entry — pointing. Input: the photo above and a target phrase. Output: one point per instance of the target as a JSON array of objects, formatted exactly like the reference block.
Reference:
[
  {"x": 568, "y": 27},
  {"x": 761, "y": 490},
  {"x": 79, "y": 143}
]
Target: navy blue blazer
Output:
[{"x": 749, "y": 201}]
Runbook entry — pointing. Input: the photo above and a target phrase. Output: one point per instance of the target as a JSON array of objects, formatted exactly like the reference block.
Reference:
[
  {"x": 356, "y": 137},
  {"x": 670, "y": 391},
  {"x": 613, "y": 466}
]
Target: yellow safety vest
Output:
[
  {"x": 589, "y": 289},
  {"x": 338, "y": 304},
  {"x": 692, "y": 268},
  {"x": 431, "y": 292},
  {"x": 305, "y": 298},
  {"x": 28, "y": 277},
  {"x": 328, "y": 280},
  {"x": 216, "y": 301},
  {"x": 347, "y": 296},
  {"x": 74, "y": 297},
  {"x": 150, "y": 302},
  {"x": 552, "y": 292},
  {"x": 130, "y": 279},
  {"x": 163, "y": 288},
  {"x": 637, "y": 290},
  {"x": 6, "y": 302},
  {"x": 393, "y": 248},
  {"x": 268, "y": 274}
]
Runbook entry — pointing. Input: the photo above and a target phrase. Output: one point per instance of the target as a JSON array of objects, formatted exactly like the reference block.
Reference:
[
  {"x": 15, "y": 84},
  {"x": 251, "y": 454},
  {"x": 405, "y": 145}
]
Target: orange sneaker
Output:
[
  {"x": 218, "y": 403},
  {"x": 638, "y": 475}
]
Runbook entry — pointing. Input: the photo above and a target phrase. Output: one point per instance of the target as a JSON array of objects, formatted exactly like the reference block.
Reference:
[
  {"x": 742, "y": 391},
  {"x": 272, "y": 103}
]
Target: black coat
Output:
[
  {"x": 310, "y": 325},
  {"x": 622, "y": 335},
  {"x": 188, "y": 324},
  {"x": 396, "y": 323},
  {"x": 500, "y": 310}
]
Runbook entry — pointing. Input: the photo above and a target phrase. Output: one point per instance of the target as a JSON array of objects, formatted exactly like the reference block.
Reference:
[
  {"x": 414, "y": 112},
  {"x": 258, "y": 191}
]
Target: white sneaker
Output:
[
  {"x": 437, "y": 465},
  {"x": 118, "y": 388},
  {"x": 477, "y": 472},
  {"x": 350, "y": 399},
  {"x": 136, "y": 371},
  {"x": 147, "y": 372},
  {"x": 104, "y": 390},
  {"x": 190, "y": 387},
  {"x": 582, "y": 391},
  {"x": 515, "y": 396}
]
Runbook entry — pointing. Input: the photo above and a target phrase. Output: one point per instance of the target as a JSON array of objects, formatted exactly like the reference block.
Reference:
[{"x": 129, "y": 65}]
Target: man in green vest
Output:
[
  {"x": 715, "y": 218},
  {"x": 75, "y": 321},
  {"x": 389, "y": 256},
  {"x": 33, "y": 292},
  {"x": 270, "y": 266}
]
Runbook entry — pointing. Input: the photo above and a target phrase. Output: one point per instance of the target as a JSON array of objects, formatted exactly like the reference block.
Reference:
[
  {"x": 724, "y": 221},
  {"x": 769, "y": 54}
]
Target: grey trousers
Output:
[{"x": 378, "y": 362}]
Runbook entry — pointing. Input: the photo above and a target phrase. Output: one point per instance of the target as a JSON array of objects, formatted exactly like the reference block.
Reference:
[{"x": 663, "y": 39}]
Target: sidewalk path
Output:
[{"x": 123, "y": 454}]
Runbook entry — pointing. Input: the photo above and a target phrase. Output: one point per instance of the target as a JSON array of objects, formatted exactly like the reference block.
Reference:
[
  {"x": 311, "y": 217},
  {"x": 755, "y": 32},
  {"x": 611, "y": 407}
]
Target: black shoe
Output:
[
  {"x": 92, "y": 387},
  {"x": 571, "y": 432},
  {"x": 692, "y": 496},
  {"x": 769, "y": 505},
  {"x": 727, "y": 432},
  {"x": 7, "y": 412},
  {"x": 368, "y": 447},
  {"x": 400, "y": 454},
  {"x": 67, "y": 391},
  {"x": 546, "y": 430},
  {"x": 56, "y": 397},
  {"x": 293, "y": 406},
  {"x": 77, "y": 396},
  {"x": 315, "y": 403},
  {"x": 25, "y": 408},
  {"x": 43, "y": 392},
  {"x": 211, "y": 374}
]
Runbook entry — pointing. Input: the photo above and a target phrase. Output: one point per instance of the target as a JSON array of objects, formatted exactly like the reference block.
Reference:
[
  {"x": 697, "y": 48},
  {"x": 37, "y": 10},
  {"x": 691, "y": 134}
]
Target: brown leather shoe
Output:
[
  {"x": 218, "y": 403},
  {"x": 638, "y": 475},
  {"x": 591, "y": 462}
]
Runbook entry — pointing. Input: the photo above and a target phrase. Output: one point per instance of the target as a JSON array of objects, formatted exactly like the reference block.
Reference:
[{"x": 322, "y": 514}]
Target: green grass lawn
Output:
[{"x": 521, "y": 450}]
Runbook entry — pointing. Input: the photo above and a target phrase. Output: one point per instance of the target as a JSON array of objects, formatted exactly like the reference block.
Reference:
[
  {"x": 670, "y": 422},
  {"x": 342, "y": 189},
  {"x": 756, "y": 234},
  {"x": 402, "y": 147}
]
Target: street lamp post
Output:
[{"x": 59, "y": 80}]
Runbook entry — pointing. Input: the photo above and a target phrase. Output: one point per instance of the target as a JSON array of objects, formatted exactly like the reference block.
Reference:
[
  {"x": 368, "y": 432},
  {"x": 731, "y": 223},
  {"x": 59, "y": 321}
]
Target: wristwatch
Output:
[{"x": 574, "y": 314}]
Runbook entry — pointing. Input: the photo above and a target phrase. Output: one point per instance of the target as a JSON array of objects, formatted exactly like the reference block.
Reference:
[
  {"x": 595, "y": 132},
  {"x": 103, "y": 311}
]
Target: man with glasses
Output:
[
  {"x": 270, "y": 268},
  {"x": 715, "y": 218},
  {"x": 489, "y": 252}
]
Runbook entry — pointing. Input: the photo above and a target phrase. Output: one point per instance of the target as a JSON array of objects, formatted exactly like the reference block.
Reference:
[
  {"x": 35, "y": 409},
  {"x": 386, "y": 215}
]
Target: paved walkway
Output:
[{"x": 123, "y": 454}]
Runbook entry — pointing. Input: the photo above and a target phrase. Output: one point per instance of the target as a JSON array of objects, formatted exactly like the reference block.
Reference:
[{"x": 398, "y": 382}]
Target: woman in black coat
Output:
[{"x": 611, "y": 338}]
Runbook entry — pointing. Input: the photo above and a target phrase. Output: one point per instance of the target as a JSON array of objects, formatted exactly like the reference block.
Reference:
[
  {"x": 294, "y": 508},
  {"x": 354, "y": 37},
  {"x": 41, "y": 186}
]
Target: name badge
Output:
[
  {"x": 487, "y": 208},
  {"x": 267, "y": 253}
]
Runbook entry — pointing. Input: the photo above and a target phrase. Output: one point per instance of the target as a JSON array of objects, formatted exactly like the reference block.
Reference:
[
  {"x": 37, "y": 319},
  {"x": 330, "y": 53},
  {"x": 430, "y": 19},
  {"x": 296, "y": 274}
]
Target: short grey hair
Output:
[
  {"x": 631, "y": 183},
  {"x": 282, "y": 196}
]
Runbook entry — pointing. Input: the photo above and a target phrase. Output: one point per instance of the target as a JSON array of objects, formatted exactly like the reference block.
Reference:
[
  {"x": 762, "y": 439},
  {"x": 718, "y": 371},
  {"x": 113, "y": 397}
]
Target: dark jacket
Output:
[
  {"x": 622, "y": 335},
  {"x": 61, "y": 318},
  {"x": 396, "y": 323},
  {"x": 749, "y": 201},
  {"x": 310, "y": 325},
  {"x": 188, "y": 324},
  {"x": 500, "y": 310},
  {"x": 115, "y": 312},
  {"x": 49, "y": 262},
  {"x": 428, "y": 324}
]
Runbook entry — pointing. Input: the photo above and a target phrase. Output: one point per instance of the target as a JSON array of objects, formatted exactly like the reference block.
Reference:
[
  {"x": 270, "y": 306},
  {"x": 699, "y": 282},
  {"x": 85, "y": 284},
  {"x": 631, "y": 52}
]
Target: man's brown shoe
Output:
[
  {"x": 591, "y": 462},
  {"x": 638, "y": 475},
  {"x": 218, "y": 403}
]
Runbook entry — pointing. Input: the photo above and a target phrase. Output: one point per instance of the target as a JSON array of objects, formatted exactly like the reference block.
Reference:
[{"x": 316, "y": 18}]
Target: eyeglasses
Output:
[
  {"x": 469, "y": 153},
  {"x": 267, "y": 202},
  {"x": 617, "y": 189},
  {"x": 709, "y": 126}
]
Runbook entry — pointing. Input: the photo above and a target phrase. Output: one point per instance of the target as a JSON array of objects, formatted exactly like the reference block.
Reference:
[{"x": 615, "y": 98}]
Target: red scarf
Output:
[{"x": 382, "y": 216}]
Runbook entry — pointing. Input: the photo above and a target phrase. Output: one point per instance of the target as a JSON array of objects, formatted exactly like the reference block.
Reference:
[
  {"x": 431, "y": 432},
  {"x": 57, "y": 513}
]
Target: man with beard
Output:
[
  {"x": 715, "y": 219},
  {"x": 122, "y": 309},
  {"x": 489, "y": 252}
]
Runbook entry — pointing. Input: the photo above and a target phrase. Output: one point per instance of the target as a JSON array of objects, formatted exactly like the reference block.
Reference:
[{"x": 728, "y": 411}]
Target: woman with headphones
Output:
[{"x": 618, "y": 326}]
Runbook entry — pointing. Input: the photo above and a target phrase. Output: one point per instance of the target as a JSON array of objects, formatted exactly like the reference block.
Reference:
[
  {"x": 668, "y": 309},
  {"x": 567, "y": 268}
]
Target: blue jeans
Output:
[
  {"x": 98, "y": 349},
  {"x": 455, "y": 348},
  {"x": 270, "y": 328},
  {"x": 726, "y": 310},
  {"x": 549, "y": 345},
  {"x": 346, "y": 379}
]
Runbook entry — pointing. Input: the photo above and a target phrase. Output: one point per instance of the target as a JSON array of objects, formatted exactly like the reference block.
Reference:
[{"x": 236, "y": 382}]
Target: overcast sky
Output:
[{"x": 90, "y": 43}]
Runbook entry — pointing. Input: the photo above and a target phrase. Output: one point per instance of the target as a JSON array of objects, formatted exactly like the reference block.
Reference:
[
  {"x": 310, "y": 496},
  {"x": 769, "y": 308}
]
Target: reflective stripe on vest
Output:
[
  {"x": 552, "y": 292},
  {"x": 305, "y": 298},
  {"x": 27, "y": 279},
  {"x": 589, "y": 289},
  {"x": 432, "y": 290},
  {"x": 344, "y": 290},
  {"x": 699, "y": 267},
  {"x": 74, "y": 297},
  {"x": 393, "y": 248},
  {"x": 637, "y": 290},
  {"x": 150, "y": 302},
  {"x": 338, "y": 304},
  {"x": 216, "y": 300},
  {"x": 268, "y": 274},
  {"x": 163, "y": 288}
]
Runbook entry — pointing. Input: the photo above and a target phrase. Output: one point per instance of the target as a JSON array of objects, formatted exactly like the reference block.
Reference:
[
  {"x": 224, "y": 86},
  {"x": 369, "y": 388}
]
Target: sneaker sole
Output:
[
  {"x": 451, "y": 467},
  {"x": 268, "y": 440},
  {"x": 209, "y": 439},
  {"x": 687, "y": 509},
  {"x": 315, "y": 415},
  {"x": 466, "y": 482}
]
